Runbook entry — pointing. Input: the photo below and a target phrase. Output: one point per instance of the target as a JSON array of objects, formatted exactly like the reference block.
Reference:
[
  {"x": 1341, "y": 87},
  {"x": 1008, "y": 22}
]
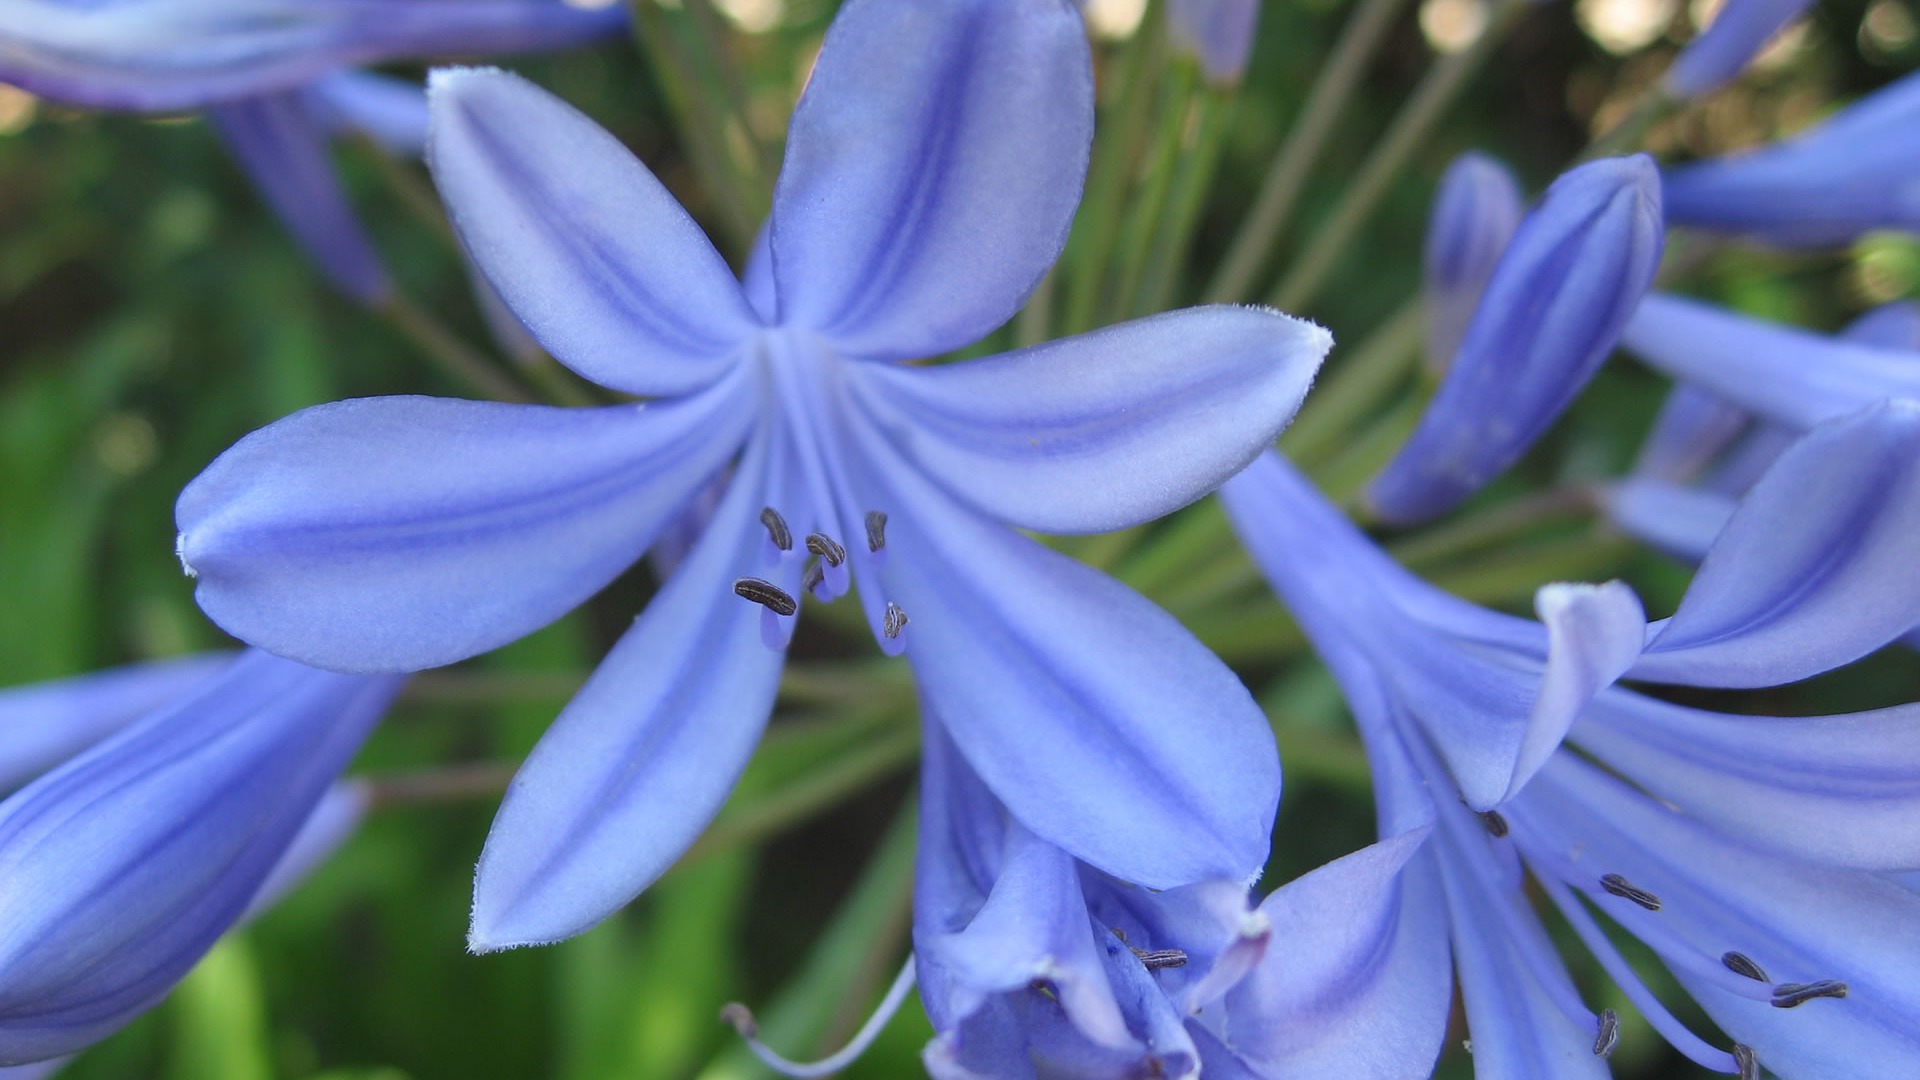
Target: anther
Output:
[
  {"x": 1742, "y": 964},
  {"x": 767, "y": 595},
  {"x": 876, "y": 530},
  {"x": 811, "y": 577},
  {"x": 1495, "y": 824},
  {"x": 1155, "y": 959},
  {"x": 777, "y": 530},
  {"x": 741, "y": 1018},
  {"x": 1609, "y": 1036},
  {"x": 1788, "y": 995},
  {"x": 827, "y": 548},
  {"x": 894, "y": 621},
  {"x": 1626, "y": 890},
  {"x": 1743, "y": 1058}
]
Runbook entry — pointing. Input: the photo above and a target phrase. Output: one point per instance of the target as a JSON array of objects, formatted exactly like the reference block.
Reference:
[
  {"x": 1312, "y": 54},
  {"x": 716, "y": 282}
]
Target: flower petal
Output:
[
  {"x": 1738, "y": 31},
  {"x": 122, "y": 866},
  {"x": 1099, "y": 721},
  {"x": 933, "y": 167},
  {"x": 593, "y": 254},
  {"x": 644, "y": 755},
  {"x": 1594, "y": 634},
  {"x": 1693, "y": 428},
  {"x": 1104, "y": 430},
  {"x": 1787, "y": 375},
  {"x": 392, "y": 534},
  {"x": 47, "y": 723},
  {"x": 1681, "y": 521},
  {"x": 1358, "y": 984},
  {"x": 392, "y": 112},
  {"x": 1475, "y": 212},
  {"x": 1815, "y": 569},
  {"x": 1218, "y": 33},
  {"x": 279, "y": 142}
]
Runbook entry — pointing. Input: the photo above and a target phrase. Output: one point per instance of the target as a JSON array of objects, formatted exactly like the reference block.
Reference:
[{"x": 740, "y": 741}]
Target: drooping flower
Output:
[
  {"x": 1857, "y": 171},
  {"x": 1218, "y": 33},
  {"x": 1735, "y": 36},
  {"x": 1550, "y": 315},
  {"x": 1749, "y": 853},
  {"x": 125, "y": 864},
  {"x": 271, "y": 75},
  {"x": 927, "y": 188},
  {"x": 1475, "y": 212}
]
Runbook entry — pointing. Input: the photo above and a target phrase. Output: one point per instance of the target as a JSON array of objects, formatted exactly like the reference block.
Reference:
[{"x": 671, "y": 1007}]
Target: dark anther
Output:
[
  {"x": 777, "y": 530},
  {"x": 1609, "y": 1036},
  {"x": 1155, "y": 959},
  {"x": 894, "y": 621},
  {"x": 1743, "y": 1058},
  {"x": 767, "y": 595},
  {"x": 742, "y": 1020},
  {"x": 1788, "y": 995},
  {"x": 811, "y": 577},
  {"x": 827, "y": 548},
  {"x": 1495, "y": 824},
  {"x": 1621, "y": 887},
  {"x": 876, "y": 530},
  {"x": 1742, "y": 964}
]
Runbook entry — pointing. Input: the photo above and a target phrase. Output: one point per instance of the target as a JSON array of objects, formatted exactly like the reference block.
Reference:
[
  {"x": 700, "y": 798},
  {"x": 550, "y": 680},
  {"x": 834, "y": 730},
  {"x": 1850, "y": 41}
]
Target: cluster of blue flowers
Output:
[{"x": 1097, "y": 790}]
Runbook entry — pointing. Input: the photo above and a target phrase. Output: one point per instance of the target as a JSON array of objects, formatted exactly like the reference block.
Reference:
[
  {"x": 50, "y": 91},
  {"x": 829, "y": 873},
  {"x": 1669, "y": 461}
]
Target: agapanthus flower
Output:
[
  {"x": 1735, "y": 36},
  {"x": 1032, "y": 964},
  {"x": 124, "y": 865},
  {"x": 932, "y": 170},
  {"x": 1749, "y": 853},
  {"x": 1475, "y": 211},
  {"x": 44, "y": 724},
  {"x": 272, "y": 76},
  {"x": 1217, "y": 33},
  {"x": 1551, "y": 312},
  {"x": 1857, "y": 171}
]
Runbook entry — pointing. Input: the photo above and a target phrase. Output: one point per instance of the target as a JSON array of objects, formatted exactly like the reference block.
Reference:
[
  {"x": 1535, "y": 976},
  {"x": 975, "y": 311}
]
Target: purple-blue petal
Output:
[
  {"x": 583, "y": 243},
  {"x": 1735, "y": 36},
  {"x": 1693, "y": 428},
  {"x": 1104, "y": 430},
  {"x": 933, "y": 167},
  {"x": 1218, "y": 33},
  {"x": 392, "y": 112},
  {"x": 43, "y": 724},
  {"x": 393, "y": 534},
  {"x": 1475, "y": 212},
  {"x": 1681, "y": 521}
]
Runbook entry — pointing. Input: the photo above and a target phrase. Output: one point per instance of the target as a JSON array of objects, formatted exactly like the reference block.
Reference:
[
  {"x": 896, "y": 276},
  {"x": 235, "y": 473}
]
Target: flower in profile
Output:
[
  {"x": 126, "y": 863},
  {"x": 1856, "y": 172},
  {"x": 1550, "y": 314},
  {"x": 272, "y": 77},
  {"x": 1475, "y": 212},
  {"x": 1749, "y": 853},
  {"x": 1735, "y": 36},
  {"x": 927, "y": 188}
]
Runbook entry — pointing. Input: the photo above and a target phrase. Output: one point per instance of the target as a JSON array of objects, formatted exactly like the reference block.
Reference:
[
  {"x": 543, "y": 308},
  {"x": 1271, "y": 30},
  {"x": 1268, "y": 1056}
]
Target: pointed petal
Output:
[
  {"x": 392, "y": 534},
  {"x": 1843, "y": 790},
  {"x": 1104, "y": 430},
  {"x": 642, "y": 758},
  {"x": 1475, "y": 212},
  {"x": 1787, "y": 375},
  {"x": 1594, "y": 634},
  {"x": 1816, "y": 567},
  {"x": 1692, "y": 429},
  {"x": 1099, "y": 721},
  {"x": 123, "y": 866},
  {"x": 1218, "y": 33},
  {"x": 47, "y": 723},
  {"x": 1735, "y": 36},
  {"x": 1550, "y": 315},
  {"x": 392, "y": 112},
  {"x": 933, "y": 167},
  {"x": 1681, "y": 521},
  {"x": 1359, "y": 984},
  {"x": 582, "y": 242},
  {"x": 281, "y": 145}
]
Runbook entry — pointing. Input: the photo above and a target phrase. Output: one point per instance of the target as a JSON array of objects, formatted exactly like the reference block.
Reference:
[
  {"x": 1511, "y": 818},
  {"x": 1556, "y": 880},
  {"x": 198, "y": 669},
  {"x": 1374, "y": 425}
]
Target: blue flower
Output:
[
  {"x": 1857, "y": 171},
  {"x": 1217, "y": 33},
  {"x": 927, "y": 188},
  {"x": 1738, "y": 31},
  {"x": 270, "y": 75},
  {"x": 1033, "y": 964},
  {"x": 1475, "y": 212},
  {"x": 1552, "y": 309},
  {"x": 125, "y": 864},
  {"x": 1749, "y": 853},
  {"x": 44, "y": 724}
]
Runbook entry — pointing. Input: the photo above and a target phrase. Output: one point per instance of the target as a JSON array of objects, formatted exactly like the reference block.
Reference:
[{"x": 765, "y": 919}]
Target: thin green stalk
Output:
[
  {"x": 1356, "y": 386},
  {"x": 1147, "y": 207},
  {"x": 1343, "y": 475},
  {"x": 1332, "y": 89},
  {"x": 450, "y": 783},
  {"x": 711, "y": 40},
  {"x": 1416, "y": 120},
  {"x": 697, "y": 120},
  {"x": 1034, "y": 324},
  {"x": 1653, "y": 107},
  {"x": 1494, "y": 525},
  {"x": 443, "y": 347},
  {"x": 1123, "y": 134},
  {"x": 1213, "y": 111},
  {"x": 1175, "y": 546}
]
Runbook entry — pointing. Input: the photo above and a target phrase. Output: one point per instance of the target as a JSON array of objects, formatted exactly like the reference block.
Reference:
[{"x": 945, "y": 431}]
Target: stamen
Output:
[
  {"x": 1742, "y": 964},
  {"x": 767, "y": 595},
  {"x": 811, "y": 577},
  {"x": 1495, "y": 824},
  {"x": 1788, "y": 995},
  {"x": 1155, "y": 959},
  {"x": 876, "y": 530},
  {"x": 827, "y": 548},
  {"x": 742, "y": 1020},
  {"x": 1626, "y": 890},
  {"x": 1609, "y": 1036},
  {"x": 777, "y": 530},
  {"x": 894, "y": 621},
  {"x": 1744, "y": 1060}
]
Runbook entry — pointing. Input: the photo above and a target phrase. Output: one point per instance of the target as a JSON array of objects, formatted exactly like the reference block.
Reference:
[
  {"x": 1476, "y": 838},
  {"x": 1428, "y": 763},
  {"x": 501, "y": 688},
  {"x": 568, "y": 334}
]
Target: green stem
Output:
[
  {"x": 699, "y": 123},
  {"x": 1437, "y": 90},
  {"x": 1491, "y": 526},
  {"x": 1294, "y": 162},
  {"x": 1034, "y": 324},
  {"x": 1146, "y": 209},
  {"x": 1356, "y": 387},
  {"x": 758, "y": 163},
  {"x": 1652, "y": 107},
  {"x": 1123, "y": 137},
  {"x": 451, "y": 783},
  {"x": 454, "y": 357},
  {"x": 1199, "y": 161}
]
